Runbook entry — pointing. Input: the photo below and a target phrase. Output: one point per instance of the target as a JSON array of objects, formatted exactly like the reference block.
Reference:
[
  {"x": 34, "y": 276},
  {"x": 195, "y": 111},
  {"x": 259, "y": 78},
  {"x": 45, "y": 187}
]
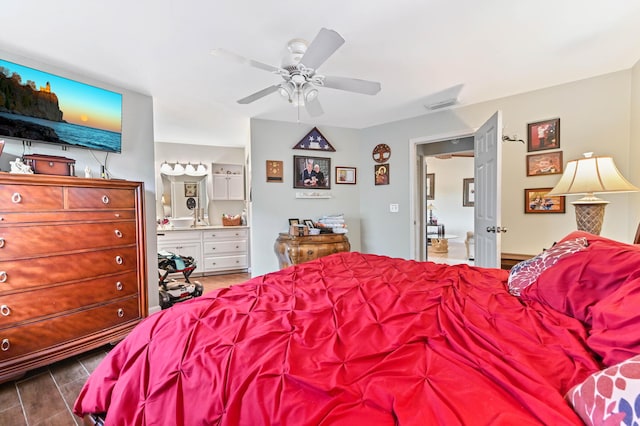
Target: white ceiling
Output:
[{"x": 414, "y": 48}]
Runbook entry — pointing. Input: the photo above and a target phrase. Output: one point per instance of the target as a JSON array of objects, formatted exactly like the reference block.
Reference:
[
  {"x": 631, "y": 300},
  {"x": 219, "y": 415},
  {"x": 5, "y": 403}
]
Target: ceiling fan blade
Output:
[
  {"x": 260, "y": 94},
  {"x": 323, "y": 46},
  {"x": 314, "y": 108},
  {"x": 223, "y": 53},
  {"x": 352, "y": 85}
]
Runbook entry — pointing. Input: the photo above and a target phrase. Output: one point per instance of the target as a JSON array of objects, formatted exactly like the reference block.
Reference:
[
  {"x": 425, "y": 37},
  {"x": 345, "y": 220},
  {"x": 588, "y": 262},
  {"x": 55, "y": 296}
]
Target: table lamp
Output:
[
  {"x": 430, "y": 208},
  {"x": 591, "y": 175}
]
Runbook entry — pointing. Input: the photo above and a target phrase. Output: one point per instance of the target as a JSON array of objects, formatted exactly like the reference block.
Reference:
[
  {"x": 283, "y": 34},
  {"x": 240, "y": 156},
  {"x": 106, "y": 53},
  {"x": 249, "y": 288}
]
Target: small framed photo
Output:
[
  {"x": 274, "y": 171},
  {"x": 543, "y": 135},
  {"x": 544, "y": 164},
  {"x": 294, "y": 222},
  {"x": 309, "y": 223},
  {"x": 311, "y": 172},
  {"x": 381, "y": 174},
  {"x": 537, "y": 201},
  {"x": 430, "y": 184},
  {"x": 190, "y": 189},
  {"x": 346, "y": 175},
  {"x": 468, "y": 192}
]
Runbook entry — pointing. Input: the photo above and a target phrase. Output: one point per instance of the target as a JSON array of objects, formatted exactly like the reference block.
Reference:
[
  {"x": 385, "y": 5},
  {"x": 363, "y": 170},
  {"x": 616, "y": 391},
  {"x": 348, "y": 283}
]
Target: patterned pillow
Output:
[
  {"x": 610, "y": 396},
  {"x": 527, "y": 272}
]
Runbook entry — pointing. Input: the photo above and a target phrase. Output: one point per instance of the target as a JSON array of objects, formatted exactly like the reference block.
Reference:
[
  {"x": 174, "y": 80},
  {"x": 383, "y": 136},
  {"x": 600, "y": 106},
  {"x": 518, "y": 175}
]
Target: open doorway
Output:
[
  {"x": 450, "y": 214},
  {"x": 486, "y": 145},
  {"x": 445, "y": 165}
]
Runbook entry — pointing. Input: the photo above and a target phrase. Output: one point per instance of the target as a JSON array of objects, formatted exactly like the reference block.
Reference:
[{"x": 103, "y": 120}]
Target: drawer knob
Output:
[
  {"x": 1, "y": 242},
  {"x": 118, "y": 233},
  {"x": 119, "y": 260},
  {"x": 5, "y": 311},
  {"x": 5, "y": 345},
  {"x": 105, "y": 199},
  {"x": 119, "y": 286},
  {"x": 120, "y": 312},
  {"x": 3, "y": 276},
  {"x": 16, "y": 198}
]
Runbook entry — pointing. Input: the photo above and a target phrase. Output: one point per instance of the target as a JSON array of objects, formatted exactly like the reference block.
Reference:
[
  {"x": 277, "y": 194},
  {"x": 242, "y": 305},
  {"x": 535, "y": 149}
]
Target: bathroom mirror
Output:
[{"x": 186, "y": 195}]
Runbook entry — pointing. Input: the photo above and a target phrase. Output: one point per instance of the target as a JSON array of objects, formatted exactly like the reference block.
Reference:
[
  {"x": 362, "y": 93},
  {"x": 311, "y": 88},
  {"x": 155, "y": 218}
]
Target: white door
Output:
[{"x": 487, "y": 197}]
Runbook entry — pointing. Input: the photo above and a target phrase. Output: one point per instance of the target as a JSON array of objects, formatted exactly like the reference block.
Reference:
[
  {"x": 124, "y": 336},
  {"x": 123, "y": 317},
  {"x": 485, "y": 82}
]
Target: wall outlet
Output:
[{"x": 394, "y": 208}]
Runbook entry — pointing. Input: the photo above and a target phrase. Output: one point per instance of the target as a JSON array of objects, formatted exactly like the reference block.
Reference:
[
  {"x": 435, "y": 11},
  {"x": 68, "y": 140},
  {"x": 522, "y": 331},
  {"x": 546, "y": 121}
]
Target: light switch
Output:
[{"x": 394, "y": 208}]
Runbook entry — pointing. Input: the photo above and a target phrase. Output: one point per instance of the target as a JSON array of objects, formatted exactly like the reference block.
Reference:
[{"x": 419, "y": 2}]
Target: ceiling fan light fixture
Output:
[{"x": 310, "y": 92}]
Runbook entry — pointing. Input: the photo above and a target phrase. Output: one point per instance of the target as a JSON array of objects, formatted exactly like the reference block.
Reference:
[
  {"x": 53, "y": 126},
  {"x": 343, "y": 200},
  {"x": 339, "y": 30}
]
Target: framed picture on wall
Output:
[
  {"x": 543, "y": 135},
  {"x": 536, "y": 200},
  {"x": 381, "y": 174},
  {"x": 346, "y": 175},
  {"x": 544, "y": 164},
  {"x": 311, "y": 172},
  {"x": 468, "y": 192},
  {"x": 430, "y": 185}
]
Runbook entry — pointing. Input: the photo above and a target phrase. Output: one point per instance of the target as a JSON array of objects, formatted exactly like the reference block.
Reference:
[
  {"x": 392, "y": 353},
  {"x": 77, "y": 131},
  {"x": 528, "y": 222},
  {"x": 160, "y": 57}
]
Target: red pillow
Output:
[
  {"x": 615, "y": 321},
  {"x": 579, "y": 281}
]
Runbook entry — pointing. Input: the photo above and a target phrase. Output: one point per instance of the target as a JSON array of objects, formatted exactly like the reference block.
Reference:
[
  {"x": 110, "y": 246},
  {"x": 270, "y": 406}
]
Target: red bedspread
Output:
[{"x": 347, "y": 339}]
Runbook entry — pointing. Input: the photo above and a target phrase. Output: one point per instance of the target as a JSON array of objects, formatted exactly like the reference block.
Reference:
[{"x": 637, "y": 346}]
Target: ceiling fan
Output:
[{"x": 299, "y": 72}]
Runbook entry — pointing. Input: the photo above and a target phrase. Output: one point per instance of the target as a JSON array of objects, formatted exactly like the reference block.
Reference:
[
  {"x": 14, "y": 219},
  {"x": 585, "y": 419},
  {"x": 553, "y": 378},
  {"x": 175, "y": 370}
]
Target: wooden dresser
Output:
[
  {"x": 72, "y": 267},
  {"x": 292, "y": 250}
]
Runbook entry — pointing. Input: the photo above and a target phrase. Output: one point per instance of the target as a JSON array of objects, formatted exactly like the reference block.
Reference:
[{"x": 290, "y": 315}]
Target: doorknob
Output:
[{"x": 496, "y": 229}]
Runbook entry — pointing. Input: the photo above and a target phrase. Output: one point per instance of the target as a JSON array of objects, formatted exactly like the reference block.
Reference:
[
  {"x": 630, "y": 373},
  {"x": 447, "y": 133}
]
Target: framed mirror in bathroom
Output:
[{"x": 186, "y": 195}]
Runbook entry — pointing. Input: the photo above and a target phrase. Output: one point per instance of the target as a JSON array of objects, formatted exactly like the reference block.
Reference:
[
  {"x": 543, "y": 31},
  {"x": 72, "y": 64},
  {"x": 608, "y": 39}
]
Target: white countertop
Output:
[{"x": 168, "y": 228}]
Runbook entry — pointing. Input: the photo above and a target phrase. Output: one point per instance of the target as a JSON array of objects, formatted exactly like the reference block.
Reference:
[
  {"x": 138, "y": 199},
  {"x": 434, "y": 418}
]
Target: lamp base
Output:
[{"x": 590, "y": 216}]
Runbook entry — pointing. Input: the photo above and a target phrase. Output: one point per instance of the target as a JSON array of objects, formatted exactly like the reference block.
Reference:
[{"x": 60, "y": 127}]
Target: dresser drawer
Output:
[
  {"x": 217, "y": 247},
  {"x": 225, "y": 234},
  {"x": 60, "y": 238},
  {"x": 29, "y": 305},
  {"x": 66, "y": 216},
  {"x": 307, "y": 252},
  {"x": 29, "y": 273},
  {"x": 16, "y": 198},
  {"x": 99, "y": 198},
  {"x": 222, "y": 263},
  {"x": 30, "y": 338}
]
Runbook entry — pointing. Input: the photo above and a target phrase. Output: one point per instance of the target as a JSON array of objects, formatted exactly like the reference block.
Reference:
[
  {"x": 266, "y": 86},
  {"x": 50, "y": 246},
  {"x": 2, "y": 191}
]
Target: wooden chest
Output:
[
  {"x": 50, "y": 164},
  {"x": 292, "y": 250},
  {"x": 72, "y": 267}
]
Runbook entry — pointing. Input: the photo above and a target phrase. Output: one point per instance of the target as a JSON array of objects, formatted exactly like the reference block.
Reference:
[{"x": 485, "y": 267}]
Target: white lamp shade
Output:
[{"x": 591, "y": 175}]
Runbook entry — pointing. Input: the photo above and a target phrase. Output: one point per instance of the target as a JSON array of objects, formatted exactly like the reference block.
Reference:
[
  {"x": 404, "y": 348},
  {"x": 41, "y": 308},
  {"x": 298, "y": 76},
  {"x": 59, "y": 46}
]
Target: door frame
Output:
[{"x": 417, "y": 220}]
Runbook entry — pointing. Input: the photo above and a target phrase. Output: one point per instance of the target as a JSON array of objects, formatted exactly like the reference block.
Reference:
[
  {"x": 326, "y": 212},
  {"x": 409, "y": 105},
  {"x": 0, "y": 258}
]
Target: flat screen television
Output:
[{"x": 36, "y": 106}]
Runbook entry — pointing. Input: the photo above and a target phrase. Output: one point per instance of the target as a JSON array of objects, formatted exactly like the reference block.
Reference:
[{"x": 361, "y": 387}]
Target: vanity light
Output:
[
  {"x": 190, "y": 170},
  {"x": 178, "y": 169},
  {"x": 166, "y": 168}
]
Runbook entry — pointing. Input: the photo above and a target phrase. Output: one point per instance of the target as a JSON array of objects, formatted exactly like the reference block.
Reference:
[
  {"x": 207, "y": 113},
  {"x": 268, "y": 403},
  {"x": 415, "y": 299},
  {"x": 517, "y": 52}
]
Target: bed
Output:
[{"x": 357, "y": 338}]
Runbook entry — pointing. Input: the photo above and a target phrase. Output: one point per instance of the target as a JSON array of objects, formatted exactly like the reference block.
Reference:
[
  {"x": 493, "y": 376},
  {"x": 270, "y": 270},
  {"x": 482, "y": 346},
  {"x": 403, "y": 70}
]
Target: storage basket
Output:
[{"x": 230, "y": 222}]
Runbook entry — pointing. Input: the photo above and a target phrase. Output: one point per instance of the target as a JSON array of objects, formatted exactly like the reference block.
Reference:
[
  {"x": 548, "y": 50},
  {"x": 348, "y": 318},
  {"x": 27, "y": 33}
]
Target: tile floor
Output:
[{"x": 46, "y": 396}]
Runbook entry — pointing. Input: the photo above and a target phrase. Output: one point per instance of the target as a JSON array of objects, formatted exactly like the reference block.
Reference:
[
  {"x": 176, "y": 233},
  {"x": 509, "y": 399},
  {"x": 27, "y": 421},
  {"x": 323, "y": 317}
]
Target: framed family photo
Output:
[
  {"x": 536, "y": 200},
  {"x": 544, "y": 164},
  {"x": 311, "y": 172},
  {"x": 543, "y": 135}
]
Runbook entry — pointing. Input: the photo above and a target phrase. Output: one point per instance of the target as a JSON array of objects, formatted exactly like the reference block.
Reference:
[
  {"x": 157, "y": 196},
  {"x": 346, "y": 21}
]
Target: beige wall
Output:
[
  {"x": 274, "y": 203},
  {"x": 594, "y": 115}
]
